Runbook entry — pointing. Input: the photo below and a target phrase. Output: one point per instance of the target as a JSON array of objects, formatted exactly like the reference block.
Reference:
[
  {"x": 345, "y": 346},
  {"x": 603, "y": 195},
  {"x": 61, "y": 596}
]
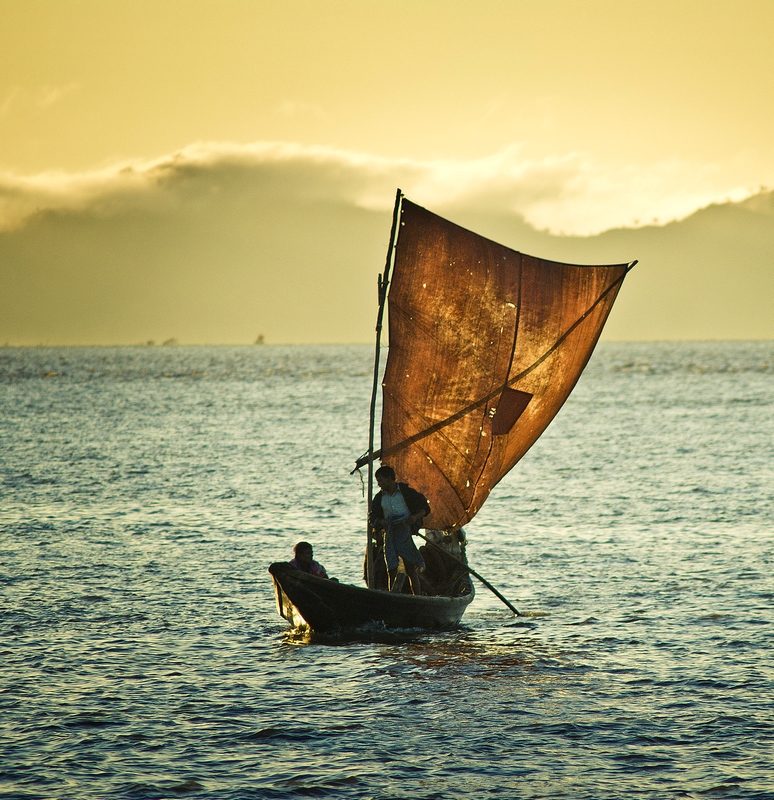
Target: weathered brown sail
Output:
[{"x": 486, "y": 343}]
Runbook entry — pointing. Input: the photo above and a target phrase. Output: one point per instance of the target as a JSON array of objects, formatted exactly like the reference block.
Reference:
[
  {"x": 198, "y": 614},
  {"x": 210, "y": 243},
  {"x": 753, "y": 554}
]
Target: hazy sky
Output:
[{"x": 575, "y": 117}]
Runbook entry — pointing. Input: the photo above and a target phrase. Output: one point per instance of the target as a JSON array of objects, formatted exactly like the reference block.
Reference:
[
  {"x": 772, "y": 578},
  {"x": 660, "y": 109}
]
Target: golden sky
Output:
[{"x": 575, "y": 117}]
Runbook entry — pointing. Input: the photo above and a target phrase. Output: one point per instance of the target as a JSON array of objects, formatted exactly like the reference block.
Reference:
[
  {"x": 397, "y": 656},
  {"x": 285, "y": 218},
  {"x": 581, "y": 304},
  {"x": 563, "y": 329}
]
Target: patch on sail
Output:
[{"x": 509, "y": 408}]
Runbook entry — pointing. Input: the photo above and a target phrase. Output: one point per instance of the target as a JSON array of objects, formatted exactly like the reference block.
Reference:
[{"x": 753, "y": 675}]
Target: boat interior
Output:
[{"x": 444, "y": 575}]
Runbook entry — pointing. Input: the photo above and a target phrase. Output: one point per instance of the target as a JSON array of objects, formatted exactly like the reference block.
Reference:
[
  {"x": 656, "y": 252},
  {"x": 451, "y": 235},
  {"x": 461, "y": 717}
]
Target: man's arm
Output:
[{"x": 417, "y": 505}]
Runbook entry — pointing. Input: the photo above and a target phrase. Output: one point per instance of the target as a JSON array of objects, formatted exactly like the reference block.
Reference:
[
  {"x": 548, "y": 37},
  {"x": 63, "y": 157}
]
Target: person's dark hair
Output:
[
  {"x": 301, "y": 546},
  {"x": 385, "y": 472}
]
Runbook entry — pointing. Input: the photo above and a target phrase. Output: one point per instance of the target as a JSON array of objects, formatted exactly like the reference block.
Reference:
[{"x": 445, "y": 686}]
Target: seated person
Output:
[
  {"x": 445, "y": 559},
  {"x": 303, "y": 560}
]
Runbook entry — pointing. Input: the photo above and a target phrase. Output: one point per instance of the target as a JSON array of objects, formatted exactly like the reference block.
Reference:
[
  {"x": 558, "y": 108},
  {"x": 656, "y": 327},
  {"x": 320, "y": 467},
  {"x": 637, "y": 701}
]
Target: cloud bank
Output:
[
  {"x": 222, "y": 242},
  {"x": 568, "y": 194}
]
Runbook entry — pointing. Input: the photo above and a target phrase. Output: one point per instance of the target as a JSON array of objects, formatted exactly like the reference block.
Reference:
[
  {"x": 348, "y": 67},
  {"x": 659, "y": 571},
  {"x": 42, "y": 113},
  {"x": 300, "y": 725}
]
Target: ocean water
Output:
[{"x": 144, "y": 491}]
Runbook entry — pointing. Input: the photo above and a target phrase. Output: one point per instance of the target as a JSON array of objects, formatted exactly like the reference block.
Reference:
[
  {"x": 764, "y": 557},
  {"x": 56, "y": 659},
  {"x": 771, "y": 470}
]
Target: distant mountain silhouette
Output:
[
  {"x": 709, "y": 276},
  {"x": 214, "y": 254}
]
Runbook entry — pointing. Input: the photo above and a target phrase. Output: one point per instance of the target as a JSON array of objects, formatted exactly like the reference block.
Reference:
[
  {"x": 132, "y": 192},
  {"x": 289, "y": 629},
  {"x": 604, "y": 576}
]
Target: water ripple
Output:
[{"x": 145, "y": 490}]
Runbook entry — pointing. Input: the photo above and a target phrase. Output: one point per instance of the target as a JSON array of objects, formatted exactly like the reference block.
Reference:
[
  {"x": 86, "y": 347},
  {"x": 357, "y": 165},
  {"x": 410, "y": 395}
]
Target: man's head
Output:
[
  {"x": 303, "y": 553},
  {"x": 385, "y": 477}
]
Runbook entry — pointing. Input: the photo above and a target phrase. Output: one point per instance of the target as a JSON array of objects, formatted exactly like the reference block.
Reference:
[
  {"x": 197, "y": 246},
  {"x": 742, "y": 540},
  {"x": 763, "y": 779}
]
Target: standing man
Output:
[{"x": 398, "y": 510}]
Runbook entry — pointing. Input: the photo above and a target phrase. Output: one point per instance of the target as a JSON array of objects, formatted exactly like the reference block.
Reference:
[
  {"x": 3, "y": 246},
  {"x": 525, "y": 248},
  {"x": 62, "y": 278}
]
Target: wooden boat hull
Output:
[{"x": 326, "y": 606}]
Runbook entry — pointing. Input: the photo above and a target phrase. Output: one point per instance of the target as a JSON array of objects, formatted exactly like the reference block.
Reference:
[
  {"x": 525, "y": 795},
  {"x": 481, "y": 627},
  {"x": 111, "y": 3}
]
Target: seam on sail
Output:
[{"x": 491, "y": 443}]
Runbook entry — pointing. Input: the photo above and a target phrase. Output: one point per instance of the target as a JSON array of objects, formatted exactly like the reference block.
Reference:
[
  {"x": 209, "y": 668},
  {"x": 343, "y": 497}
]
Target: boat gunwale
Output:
[
  {"x": 351, "y": 587},
  {"x": 330, "y": 605}
]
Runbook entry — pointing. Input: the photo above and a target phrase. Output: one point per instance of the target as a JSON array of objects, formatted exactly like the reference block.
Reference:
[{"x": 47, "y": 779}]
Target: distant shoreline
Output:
[{"x": 149, "y": 346}]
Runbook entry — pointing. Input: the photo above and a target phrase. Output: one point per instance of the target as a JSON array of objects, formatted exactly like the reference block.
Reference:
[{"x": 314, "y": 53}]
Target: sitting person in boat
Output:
[
  {"x": 398, "y": 511},
  {"x": 445, "y": 560},
  {"x": 303, "y": 560}
]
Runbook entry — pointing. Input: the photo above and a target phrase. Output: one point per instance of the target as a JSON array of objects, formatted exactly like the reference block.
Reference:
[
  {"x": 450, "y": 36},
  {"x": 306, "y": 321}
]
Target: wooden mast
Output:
[{"x": 384, "y": 281}]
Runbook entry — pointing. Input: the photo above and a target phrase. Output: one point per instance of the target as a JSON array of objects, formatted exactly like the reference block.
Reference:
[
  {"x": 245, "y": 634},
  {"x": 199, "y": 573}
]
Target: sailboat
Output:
[{"x": 485, "y": 345}]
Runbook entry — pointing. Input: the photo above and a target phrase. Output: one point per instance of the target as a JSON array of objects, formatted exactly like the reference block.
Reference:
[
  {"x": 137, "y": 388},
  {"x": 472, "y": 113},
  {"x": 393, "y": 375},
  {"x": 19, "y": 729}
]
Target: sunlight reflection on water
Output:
[{"x": 145, "y": 491}]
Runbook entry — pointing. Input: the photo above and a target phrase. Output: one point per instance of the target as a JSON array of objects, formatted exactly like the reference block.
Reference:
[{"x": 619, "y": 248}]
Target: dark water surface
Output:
[{"x": 144, "y": 491}]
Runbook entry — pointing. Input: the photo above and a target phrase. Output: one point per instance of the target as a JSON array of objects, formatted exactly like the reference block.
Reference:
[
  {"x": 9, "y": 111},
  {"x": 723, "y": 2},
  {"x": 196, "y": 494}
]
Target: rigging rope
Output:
[{"x": 377, "y": 454}]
